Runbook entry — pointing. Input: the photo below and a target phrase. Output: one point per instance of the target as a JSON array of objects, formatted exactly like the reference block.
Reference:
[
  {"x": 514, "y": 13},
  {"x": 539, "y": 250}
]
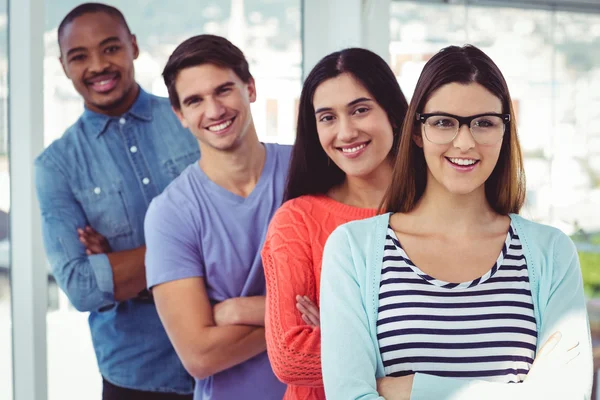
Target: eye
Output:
[
  {"x": 361, "y": 110},
  {"x": 224, "y": 91},
  {"x": 326, "y": 118},
  {"x": 441, "y": 122},
  {"x": 111, "y": 49},
  {"x": 78, "y": 57}
]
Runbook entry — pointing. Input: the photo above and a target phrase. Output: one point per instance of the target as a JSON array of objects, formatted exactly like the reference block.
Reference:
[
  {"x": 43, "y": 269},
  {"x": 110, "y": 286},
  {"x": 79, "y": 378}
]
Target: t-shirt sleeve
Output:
[{"x": 172, "y": 248}]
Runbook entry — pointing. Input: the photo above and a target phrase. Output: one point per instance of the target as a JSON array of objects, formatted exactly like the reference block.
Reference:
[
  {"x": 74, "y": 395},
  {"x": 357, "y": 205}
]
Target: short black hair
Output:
[
  {"x": 89, "y": 8},
  {"x": 204, "y": 49}
]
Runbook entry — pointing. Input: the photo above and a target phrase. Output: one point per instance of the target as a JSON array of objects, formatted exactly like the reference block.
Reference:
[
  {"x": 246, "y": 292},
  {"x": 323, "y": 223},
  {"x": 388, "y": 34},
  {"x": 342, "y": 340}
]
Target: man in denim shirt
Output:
[{"x": 94, "y": 186}]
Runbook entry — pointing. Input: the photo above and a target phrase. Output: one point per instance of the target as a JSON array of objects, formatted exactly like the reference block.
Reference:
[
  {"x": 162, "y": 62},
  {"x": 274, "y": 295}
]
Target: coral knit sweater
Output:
[{"x": 292, "y": 257}]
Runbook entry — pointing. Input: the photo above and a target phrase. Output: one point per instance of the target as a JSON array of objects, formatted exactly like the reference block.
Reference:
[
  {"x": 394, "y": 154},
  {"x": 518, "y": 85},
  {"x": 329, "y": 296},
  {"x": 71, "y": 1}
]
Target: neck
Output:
[
  {"x": 364, "y": 191},
  {"x": 237, "y": 170},
  {"x": 442, "y": 211}
]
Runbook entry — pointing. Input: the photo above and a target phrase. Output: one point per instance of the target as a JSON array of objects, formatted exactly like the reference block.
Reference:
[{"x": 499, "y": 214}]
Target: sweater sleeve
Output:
[
  {"x": 294, "y": 347},
  {"x": 564, "y": 311},
  {"x": 349, "y": 355}
]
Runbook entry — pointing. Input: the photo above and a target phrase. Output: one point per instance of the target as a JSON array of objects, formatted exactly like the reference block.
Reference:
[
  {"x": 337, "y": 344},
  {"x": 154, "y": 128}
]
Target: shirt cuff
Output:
[{"x": 104, "y": 276}]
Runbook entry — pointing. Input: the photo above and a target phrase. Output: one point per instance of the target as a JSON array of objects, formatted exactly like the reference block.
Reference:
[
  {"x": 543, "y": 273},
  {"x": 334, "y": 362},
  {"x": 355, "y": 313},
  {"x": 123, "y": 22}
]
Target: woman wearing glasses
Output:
[
  {"x": 351, "y": 112},
  {"x": 451, "y": 294}
]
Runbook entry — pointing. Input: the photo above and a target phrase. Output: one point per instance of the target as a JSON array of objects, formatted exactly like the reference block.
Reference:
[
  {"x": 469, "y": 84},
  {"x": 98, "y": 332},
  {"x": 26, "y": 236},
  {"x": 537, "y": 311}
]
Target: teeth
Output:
[
  {"x": 462, "y": 161},
  {"x": 354, "y": 149},
  {"x": 220, "y": 127}
]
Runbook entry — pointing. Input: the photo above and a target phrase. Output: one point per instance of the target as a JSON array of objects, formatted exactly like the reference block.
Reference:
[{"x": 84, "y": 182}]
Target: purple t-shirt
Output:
[{"x": 196, "y": 228}]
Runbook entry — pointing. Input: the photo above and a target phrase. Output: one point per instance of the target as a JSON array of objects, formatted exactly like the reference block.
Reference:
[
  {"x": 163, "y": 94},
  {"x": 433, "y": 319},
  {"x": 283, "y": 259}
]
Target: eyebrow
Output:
[
  {"x": 102, "y": 43},
  {"x": 353, "y": 102},
  {"x": 191, "y": 97}
]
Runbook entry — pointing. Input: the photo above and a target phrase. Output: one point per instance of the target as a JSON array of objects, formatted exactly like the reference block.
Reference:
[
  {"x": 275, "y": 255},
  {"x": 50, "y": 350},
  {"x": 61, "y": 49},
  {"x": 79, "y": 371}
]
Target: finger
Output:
[
  {"x": 308, "y": 320},
  {"x": 88, "y": 252},
  {"x": 550, "y": 344},
  {"x": 90, "y": 230},
  {"x": 313, "y": 311},
  {"x": 301, "y": 308},
  {"x": 314, "y": 321}
]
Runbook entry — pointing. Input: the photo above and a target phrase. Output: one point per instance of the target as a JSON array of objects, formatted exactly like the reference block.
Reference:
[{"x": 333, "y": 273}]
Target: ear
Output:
[
  {"x": 179, "y": 115},
  {"x": 136, "y": 49},
  {"x": 251, "y": 90},
  {"x": 418, "y": 139}
]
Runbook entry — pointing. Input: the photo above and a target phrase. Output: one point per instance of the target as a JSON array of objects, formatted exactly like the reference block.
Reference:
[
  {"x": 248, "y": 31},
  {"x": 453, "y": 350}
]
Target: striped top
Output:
[{"x": 483, "y": 329}]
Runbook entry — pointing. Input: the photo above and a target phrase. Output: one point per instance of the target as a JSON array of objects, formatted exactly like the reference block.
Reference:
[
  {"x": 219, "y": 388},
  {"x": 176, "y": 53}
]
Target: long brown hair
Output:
[{"x": 505, "y": 187}]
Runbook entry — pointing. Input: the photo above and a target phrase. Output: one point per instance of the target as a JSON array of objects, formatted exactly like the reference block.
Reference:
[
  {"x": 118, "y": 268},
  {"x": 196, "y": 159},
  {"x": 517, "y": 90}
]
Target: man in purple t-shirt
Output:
[{"x": 204, "y": 233}]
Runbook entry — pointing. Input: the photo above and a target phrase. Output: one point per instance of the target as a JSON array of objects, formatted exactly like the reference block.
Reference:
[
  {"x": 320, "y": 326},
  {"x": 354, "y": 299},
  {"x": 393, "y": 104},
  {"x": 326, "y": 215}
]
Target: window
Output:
[
  {"x": 553, "y": 73},
  {"x": 6, "y": 380},
  {"x": 269, "y": 34}
]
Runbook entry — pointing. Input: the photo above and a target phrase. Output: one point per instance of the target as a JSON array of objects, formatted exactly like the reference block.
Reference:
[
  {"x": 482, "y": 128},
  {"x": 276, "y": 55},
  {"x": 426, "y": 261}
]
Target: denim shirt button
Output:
[
  {"x": 133, "y": 149},
  {"x": 122, "y": 121},
  {"x": 145, "y": 181},
  {"x": 97, "y": 190}
]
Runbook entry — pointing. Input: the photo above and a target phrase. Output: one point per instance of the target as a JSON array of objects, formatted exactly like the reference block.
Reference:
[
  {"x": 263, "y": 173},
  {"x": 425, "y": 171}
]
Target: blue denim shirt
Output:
[{"x": 103, "y": 172}]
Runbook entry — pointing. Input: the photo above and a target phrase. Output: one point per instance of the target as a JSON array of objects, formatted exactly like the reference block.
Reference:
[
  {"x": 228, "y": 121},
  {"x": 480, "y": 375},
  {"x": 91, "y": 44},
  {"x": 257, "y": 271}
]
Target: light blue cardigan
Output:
[{"x": 350, "y": 279}]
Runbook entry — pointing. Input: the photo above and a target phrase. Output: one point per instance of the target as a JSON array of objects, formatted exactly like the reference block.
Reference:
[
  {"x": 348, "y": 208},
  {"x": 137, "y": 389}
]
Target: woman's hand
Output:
[
  {"x": 392, "y": 388},
  {"x": 310, "y": 312},
  {"x": 552, "y": 358}
]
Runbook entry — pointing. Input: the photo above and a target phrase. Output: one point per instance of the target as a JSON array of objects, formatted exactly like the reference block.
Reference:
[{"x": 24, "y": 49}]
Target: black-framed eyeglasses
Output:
[{"x": 442, "y": 128}]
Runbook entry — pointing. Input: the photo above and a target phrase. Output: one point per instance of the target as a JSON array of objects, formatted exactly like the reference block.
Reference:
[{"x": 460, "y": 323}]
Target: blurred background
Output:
[{"x": 549, "y": 52}]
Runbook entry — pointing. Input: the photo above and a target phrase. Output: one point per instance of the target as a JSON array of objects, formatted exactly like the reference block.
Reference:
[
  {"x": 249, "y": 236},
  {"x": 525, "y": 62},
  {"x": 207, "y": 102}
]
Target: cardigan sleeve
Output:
[
  {"x": 564, "y": 310},
  {"x": 294, "y": 347},
  {"x": 348, "y": 354}
]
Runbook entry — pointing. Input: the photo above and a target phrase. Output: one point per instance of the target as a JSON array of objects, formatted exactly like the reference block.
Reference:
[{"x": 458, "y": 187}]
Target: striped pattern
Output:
[{"x": 481, "y": 329}]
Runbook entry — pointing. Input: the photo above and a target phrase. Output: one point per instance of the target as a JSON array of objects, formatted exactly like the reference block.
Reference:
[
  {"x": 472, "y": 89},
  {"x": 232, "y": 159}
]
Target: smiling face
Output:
[
  {"x": 97, "y": 54},
  {"x": 215, "y": 106},
  {"x": 354, "y": 130},
  {"x": 461, "y": 166}
]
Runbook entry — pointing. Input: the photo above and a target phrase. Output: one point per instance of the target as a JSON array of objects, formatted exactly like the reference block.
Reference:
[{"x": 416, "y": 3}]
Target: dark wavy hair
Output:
[{"x": 310, "y": 171}]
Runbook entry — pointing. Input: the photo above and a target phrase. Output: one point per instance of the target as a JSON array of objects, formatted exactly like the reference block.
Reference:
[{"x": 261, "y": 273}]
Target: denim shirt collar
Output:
[{"x": 141, "y": 109}]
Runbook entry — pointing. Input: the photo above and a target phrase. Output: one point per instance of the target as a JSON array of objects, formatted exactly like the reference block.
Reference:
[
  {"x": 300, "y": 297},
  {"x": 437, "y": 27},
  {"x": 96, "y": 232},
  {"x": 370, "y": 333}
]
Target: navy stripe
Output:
[
  {"x": 397, "y": 258},
  {"x": 456, "y": 332},
  {"x": 455, "y": 318},
  {"x": 516, "y": 247},
  {"x": 482, "y": 304},
  {"x": 489, "y": 292},
  {"x": 468, "y": 374},
  {"x": 450, "y": 285},
  {"x": 404, "y": 280},
  {"x": 457, "y": 346},
  {"x": 394, "y": 241},
  {"x": 507, "y": 279},
  {"x": 475, "y": 282},
  {"x": 513, "y": 267},
  {"x": 389, "y": 247},
  {"x": 395, "y": 269},
  {"x": 511, "y": 257},
  {"x": 457, "y": 360}
]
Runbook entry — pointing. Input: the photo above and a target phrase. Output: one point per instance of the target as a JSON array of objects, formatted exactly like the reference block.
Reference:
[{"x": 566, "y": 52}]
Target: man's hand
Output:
[
  {"x": 94, "y": 242},
  {"x": 226, "y": 312},
  {"x": 310, "y": 311},
  {"x": 240, "y": 311}
]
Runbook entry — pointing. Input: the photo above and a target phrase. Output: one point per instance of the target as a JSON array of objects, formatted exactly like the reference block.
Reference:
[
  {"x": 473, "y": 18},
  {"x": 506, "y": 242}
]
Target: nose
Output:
[
  {"x": 348, "y": 131},
  {"x": 464, "y": 139},
  {"x": 214, "y": 109},
  {"x": 98, "y": 63}
]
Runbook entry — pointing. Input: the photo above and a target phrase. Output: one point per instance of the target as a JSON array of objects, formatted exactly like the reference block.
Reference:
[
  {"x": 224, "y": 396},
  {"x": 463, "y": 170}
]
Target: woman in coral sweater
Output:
[{"x": 351, "y": 113}]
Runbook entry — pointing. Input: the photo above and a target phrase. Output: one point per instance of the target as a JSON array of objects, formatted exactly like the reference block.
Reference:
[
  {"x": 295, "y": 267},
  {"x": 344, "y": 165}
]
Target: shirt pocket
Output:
[
  {"x": 105, "y": 209},
  {"x": 175, "y": 166}
]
